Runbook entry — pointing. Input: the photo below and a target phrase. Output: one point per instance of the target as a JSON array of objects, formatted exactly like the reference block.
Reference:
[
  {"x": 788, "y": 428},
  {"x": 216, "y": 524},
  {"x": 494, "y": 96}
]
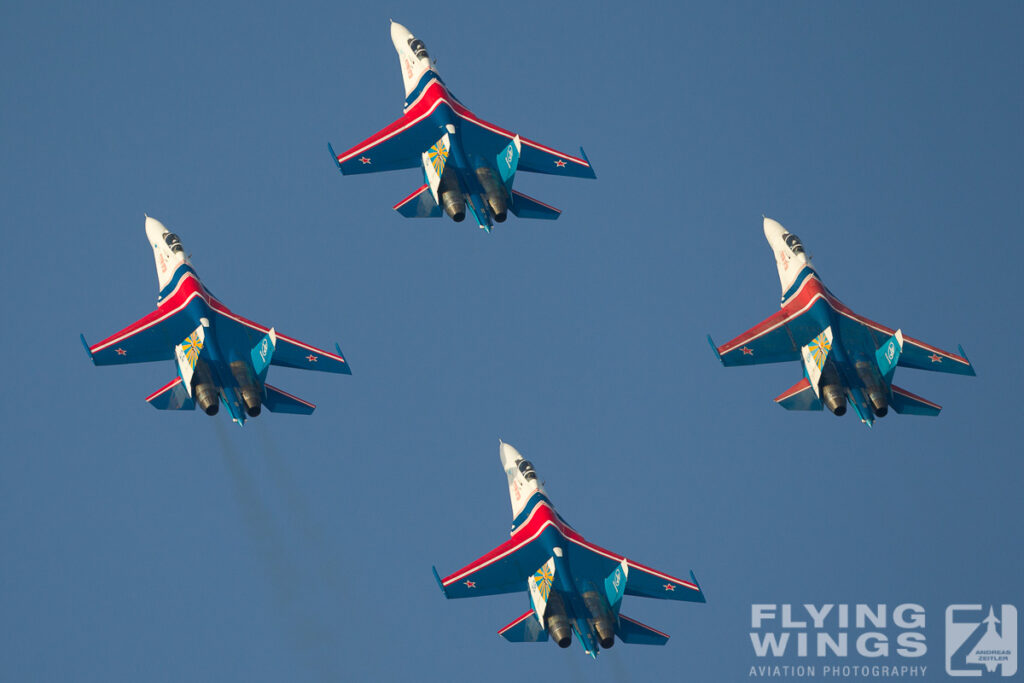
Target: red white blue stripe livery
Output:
[
  {"x": 575, "y": 586},
  {"x": 220, "y": 356},
  {"x": 846, "y": 357},
  {"x": 468, "y": 164}
]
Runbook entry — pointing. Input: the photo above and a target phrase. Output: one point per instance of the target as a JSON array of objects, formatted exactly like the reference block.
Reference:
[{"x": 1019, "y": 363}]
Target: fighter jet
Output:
[
  {"x": 220, "y": 356},
  {"x": 845, "y": 356},
  {"x": 468, "y": 163},
  {"x": 574, "y": 585}
]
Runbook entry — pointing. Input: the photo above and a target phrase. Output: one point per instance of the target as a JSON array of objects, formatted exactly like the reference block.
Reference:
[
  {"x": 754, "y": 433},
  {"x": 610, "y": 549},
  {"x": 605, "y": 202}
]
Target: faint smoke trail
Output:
[
  {"x": 619, "y": 672},
  {"x": 310, "y": 634},
  {"x": 576, "y": 671},
  {"x": 256, "y": 516},
  {"x": 330, "y": 571}
]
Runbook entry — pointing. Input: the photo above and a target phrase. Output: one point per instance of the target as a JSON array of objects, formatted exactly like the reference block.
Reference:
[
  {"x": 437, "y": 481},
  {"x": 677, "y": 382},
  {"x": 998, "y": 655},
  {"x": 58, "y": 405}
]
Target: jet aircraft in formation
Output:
[
  {"x": 220, "y": 356},
  {"x": 574, "y": 585},
  {"x": 845, "y": 356},
  {"x": 468, "y": 164}
]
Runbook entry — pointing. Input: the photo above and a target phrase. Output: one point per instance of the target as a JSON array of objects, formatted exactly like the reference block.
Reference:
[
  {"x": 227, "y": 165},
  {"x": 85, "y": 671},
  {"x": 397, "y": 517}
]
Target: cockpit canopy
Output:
[
  {"x": 794, "y": 243},
  {"x": 526, "y": 468},
  {"x": 418, "y": 48},
  {"x": 173, "y": 243}
]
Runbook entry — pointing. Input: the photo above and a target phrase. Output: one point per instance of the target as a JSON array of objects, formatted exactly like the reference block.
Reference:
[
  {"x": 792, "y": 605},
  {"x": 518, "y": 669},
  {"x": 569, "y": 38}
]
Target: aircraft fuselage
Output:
[{"x": 224, "y": 374}]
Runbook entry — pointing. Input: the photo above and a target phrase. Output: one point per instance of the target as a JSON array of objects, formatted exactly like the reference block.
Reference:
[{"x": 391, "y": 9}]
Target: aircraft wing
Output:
[
  {"x": 487, "y": 140},
  {"x": 915, "y": 353},
  {"x": 587, "y": 559},
  {"x": 503, "y": 570},
  {"x": 288, "y": 352},
  {"x": 148, "y": 339},
  {"x": 399, "y": 145},
  {"x": 776, "y": 339}
]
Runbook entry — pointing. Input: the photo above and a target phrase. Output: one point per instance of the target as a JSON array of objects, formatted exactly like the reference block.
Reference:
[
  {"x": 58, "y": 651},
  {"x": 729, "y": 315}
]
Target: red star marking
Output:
[
  {"x": 470, "y": 584},
  {"x": 560, "y": 163},
  {"x": 747, "y": 352},
  {"x": 935, "y": 358},
  {"x": 669, "y": 587},
  {"x": 364, "y": 160},
  {"x": 120, "y": 352},
  {"x": 311, "y": 358}
]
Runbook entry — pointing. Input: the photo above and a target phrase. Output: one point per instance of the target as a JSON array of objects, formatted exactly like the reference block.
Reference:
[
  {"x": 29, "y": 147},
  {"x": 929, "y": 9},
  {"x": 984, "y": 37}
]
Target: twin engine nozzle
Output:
[
  {"x": 600, "y": 617},
  {"x": 204, "y": 391},
  {"x": 247, "y": 387},
  {"x": 207, "y": 395},
  {"x": 833, "y": 393},
  {"x": 556, "y": 620},
  {"x": 454, "y": 202}
]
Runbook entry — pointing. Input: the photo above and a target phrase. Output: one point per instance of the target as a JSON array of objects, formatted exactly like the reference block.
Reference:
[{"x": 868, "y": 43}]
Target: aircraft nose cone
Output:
[
  {"x": 509, "y": 455},
  {"x": 154, "y": 229},
  {"x": 400, "y": 35},
  {"x": 773, "y": 229}
]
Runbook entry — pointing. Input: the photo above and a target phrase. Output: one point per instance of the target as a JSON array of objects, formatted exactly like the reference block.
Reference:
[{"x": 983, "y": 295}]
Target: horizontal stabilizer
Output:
[
  {"x": 633, "y": 632},
  {"x": 906, "y": 403},
  {"x": 171, "y": 396},
  {"x": 277, "y": 401},
  {"x": 528, "y": 207},
  {"x": 800, "y": 396},
  {"x": 525, "y": 629},
  {"x": 419, "y": 204}
]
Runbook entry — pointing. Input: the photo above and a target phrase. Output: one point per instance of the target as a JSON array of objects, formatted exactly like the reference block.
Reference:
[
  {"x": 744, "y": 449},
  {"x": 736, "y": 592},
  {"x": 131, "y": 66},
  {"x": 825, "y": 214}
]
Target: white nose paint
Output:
[
  {"x": 522, "y": 479},
  {"x": 167, "y": 261},
  {"x": 790, "y": 257},
  {"x": 413, "y": 67}
]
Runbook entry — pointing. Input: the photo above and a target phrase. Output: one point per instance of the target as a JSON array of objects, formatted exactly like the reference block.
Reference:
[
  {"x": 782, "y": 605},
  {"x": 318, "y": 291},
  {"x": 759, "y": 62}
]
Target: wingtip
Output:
[
  {"x": 87, "y": 349},
  {"x": 439, "y": 583},
  {"x": 348, "y": 368},
  {"x": 693, "y": 577},
  {"x": 593, "y": 173},
  {"x": 715, "y": 349},
  {"x": 970, "y": 365},
  {"x": 334, "y": 156}
]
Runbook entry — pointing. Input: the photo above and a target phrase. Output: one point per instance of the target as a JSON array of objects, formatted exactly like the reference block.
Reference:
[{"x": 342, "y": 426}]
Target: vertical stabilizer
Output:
[
  {"x": 187, "y": 354},
  {"x": 508, "y": 162},
  {"x": 815, "y": 354},
  {"x": 888, "y": 355},
  {"x": 262, "y": 353},
  {"x": 615, "y": 585},
  {"x": 434, "y": 161},
  {"x": 540, "y": 587}
]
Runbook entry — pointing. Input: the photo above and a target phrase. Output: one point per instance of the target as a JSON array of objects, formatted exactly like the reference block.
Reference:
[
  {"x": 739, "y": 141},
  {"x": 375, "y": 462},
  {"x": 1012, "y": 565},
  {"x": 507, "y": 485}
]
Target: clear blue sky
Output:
[{"x": 142, "y": 545}]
